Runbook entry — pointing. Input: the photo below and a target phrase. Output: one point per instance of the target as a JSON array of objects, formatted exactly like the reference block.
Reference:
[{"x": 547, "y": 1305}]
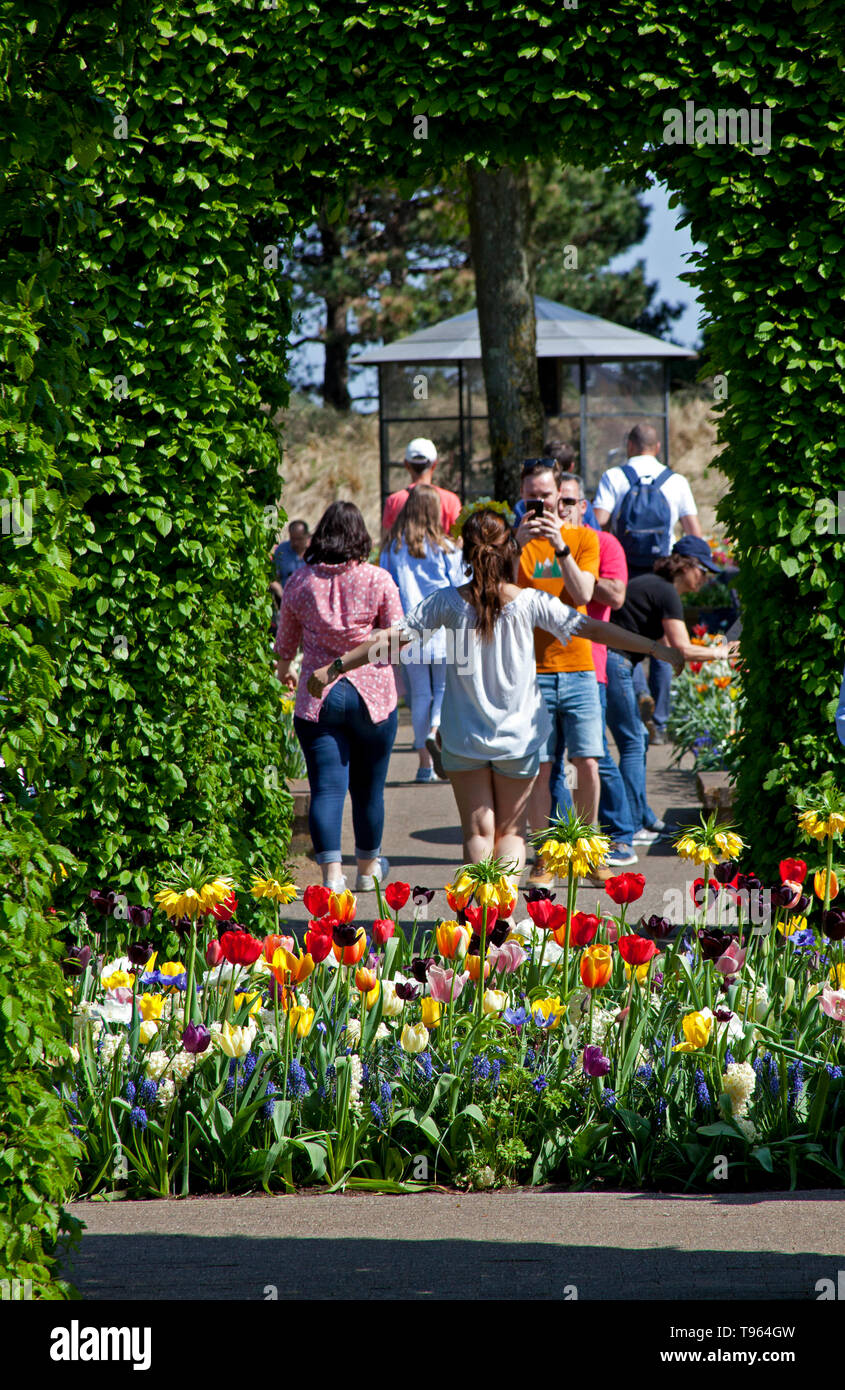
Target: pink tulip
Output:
[
  {"x": 833, "y": 1003},
  {"x": 511, "y": 956},
  {"x": 445, "y": 984},
  {"x": 732, "y": 961},
  {"x": 121, "y": 995}
]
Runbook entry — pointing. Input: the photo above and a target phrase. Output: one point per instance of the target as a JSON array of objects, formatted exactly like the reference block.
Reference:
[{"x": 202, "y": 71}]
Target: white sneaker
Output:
[
  {"x": 365, "y": 883},
  {"x": 648, "y": 837},
  {"x": 338, "y": 886}
]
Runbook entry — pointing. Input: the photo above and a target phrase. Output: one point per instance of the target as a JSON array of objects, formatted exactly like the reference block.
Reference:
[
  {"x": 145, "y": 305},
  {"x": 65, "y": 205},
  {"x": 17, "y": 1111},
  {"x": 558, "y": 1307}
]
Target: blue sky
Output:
[{"x": 663, "y": 249}]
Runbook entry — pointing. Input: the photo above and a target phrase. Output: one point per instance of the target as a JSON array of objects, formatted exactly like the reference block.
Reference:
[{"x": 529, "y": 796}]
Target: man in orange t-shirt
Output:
[{"x": 562, "y": 557}]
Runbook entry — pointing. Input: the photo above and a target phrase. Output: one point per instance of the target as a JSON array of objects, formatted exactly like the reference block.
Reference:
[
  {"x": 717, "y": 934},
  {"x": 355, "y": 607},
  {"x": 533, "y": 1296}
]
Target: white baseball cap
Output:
[{"x": 420, "y": 450}]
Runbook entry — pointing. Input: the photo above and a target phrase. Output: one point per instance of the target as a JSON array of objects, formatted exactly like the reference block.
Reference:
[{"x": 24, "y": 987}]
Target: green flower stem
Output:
[
  {"x": 190, "y": 1002},
  {"x": 482, "y": 953},
  {"x": 570, "y": 908}
]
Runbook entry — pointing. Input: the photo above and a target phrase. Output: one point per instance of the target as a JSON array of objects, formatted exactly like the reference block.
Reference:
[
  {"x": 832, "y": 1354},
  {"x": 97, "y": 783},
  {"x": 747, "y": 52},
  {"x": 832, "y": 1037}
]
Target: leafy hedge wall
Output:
[{"x": 156, "y": 160}]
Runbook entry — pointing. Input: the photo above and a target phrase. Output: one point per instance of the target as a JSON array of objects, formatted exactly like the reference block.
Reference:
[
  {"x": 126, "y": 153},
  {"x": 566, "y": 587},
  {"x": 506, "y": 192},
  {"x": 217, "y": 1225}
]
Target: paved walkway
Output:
[
  {"x": 422, "y": 837},
  {"x": 522, "y": 1245}
]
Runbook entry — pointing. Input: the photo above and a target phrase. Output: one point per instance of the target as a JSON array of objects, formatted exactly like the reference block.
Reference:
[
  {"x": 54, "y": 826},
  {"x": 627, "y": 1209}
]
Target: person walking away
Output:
[
  {"x": 335, "y": 600},
  {"x": 653, "y": 608},
  {"x": 494, "y": 720},
  {"x": 420, "y": 463},
  {"x": 287, "y": 558},
  {"x": 557, "y": 452},
  {"x": 420, "y": 558},
  {"x": 643, "y": 503},
  {"x": 562, "y": 558}
]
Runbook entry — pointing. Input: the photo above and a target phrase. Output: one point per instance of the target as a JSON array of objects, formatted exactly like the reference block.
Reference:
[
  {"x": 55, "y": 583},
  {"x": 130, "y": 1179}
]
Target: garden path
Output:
[
  {"x": 422, "y": 837},
  {"x": 536, "y": 1244}
]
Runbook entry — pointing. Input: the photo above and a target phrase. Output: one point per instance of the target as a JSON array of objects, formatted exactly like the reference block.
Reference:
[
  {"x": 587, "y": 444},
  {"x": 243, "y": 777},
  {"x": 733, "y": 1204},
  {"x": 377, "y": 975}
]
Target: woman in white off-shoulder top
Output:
[{"x": 494, "y": 720}]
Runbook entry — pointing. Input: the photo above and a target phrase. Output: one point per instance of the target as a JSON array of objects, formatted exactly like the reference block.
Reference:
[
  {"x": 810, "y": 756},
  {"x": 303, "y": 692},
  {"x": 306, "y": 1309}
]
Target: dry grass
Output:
[{"x": 329, "y": 455}]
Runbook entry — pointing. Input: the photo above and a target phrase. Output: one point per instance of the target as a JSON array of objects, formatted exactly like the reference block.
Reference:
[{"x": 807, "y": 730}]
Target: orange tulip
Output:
[
  {"x": 452, "y": 940},
  {"x": 596, "y": 966},
  {"x": 350, "y": 955},
  {"x": 473, "y": 965},
  {"x": 820, "y": 883},
  {"x": 365, "y": 980}
]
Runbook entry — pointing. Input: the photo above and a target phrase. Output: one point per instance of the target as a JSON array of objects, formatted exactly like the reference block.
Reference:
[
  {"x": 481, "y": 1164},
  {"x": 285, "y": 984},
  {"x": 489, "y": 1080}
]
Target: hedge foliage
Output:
[{"x": 156, "y": 159}]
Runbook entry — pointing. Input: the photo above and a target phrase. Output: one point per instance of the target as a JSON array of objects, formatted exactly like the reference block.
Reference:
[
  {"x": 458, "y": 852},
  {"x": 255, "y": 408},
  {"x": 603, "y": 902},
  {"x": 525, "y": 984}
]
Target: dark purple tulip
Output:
[
  {"x": 724, "y": 1015},
  {"x": 345, "y": 933},
  {"x": 723, "y": 873},
  {"x": 140, "y": 917},
  {"x": 713, "y": 943},
  {"x": 500, "y": 933},
  {"x": 420, "y": 967},
  {"x": 196, "y": 1037},
  {"x": 182, "y": 926},
  {"x": 422, "y": 895},
  {"x": 833, "y": 923},
  {"x": 103, "y": 902},
  {"x": 802, "y": 904},
  {"x": 537, "y": 895},
  {"x": 474, "y": 947},
  {"x": 656, "y": 926},
  {"x": 139, "y": 952},
  {"x": 595, "y": 1062},
  {"x": 76, "y": 961},
  {"x": 408, "y": 992}
]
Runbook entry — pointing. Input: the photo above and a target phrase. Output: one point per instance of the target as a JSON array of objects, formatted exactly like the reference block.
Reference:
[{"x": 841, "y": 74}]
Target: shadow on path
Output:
[{"x": 144, "y": 1266}]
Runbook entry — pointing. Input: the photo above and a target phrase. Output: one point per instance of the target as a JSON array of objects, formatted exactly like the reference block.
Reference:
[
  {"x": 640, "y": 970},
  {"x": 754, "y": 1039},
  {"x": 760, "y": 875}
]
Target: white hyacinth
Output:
[
  {"x": 157, "y": 1064},
  {"x": 738, "y": 1083},
  {"x": 356, "y": 1078},
  {"x": 111, "y": 1043},
  {"x": 183, "y": 1065},
  {"x": 166, "y": 1092}
]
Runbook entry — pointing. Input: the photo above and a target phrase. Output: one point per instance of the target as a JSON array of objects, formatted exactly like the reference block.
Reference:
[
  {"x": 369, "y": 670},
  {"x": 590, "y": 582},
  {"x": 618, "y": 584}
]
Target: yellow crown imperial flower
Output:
[{"x": 279, "y": 890}]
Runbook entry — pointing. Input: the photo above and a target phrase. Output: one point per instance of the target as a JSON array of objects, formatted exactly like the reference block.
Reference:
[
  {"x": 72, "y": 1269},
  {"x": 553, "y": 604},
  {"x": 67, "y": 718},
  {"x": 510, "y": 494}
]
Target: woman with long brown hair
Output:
[
  {"x": 420, "y": 558},
  {"x": 494, "y": 721}
]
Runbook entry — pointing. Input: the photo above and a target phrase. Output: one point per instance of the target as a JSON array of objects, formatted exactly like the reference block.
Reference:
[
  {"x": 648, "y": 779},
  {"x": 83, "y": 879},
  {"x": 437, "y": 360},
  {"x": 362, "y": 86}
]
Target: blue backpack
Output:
[{"x": 643, "y": 523}]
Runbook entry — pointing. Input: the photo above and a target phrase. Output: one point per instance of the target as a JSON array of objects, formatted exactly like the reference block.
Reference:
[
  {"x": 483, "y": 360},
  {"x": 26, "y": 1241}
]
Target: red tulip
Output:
[
  {"x": 793, "y": 870},
  {"x": 636, "y": 950},
  {"x": 318, "y": 944},
  {"x": 383, "y": 929},
  {"x": 475, "y": 916},
  {"x": 396, "y": 895},
  {"x": 583, "y": 929},
  {"x": 625, "y": 888},
  {"x": 213, "y": 953},
  {"x": 316, "y": 899},
  {"x": 697, "y": 890},
  {"x": 240, "y": 948},
  {"x": 546, "y": 914},
  {"x": 225, "y": 910}
]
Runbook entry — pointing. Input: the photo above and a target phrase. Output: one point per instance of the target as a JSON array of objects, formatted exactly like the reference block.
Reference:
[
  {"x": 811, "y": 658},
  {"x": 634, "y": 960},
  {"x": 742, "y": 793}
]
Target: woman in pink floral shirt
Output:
[{"x": 329, "y": 605}]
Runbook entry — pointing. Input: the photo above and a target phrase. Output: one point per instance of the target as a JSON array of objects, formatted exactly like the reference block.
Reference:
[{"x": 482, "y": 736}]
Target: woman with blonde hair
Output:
[
  {"x": 421, "y": 558},
  {"x": 494, "y": 720}
]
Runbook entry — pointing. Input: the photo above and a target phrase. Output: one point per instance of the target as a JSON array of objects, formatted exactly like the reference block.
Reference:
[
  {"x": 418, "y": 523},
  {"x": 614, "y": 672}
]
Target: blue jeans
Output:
[
  {"x": 572, "y": 700},
  {"x": 631, "y": 735},
  {"x": 427, "y": 682},
  {"x": 659, "y": 685},
  {"x": 345, "y": 751},
  {"x": 615, "y": 815}
]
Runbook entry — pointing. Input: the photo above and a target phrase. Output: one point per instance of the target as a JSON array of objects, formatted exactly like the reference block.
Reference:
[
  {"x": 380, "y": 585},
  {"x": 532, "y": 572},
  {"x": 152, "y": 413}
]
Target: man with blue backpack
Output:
[{"x": 642, "y": 503}]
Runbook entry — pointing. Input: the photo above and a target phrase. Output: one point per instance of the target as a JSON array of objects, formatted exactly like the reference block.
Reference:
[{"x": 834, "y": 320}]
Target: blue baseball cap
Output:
[{"x": 695, "y": 548}]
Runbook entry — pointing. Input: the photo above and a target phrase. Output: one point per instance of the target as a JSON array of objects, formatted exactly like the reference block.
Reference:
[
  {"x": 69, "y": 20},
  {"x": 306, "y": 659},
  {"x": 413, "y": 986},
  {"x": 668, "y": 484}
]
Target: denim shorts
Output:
[
  {"x": 572, "y": 699},
  {"x": 528, "y": 766}
]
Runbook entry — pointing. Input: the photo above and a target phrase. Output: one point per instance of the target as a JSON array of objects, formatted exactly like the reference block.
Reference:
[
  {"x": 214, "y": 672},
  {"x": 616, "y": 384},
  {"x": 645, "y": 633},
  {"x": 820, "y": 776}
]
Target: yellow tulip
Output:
[
  {"x": 551, "y": 1010},
  {"x": 430, "y": 1010},
  {"x": 371, "y": 998},
  {"x": 641, "y": 972},
  {"x": 151, "y": 1005},
  {"x": 788, "y": 991},
  {"x": 253, "y": 999},
  {"x": 696, "y": 1028},
  {"x": 414, "y": 1037},
  {"x": 118, "y": 979},
  {"x": 820, "y": 884},
  {"x": 236, "y": 1041},
  {"x": 792, "y": 924},
  {"x": 837, "y": 976},
  {"x": 301, "y": 1019}
]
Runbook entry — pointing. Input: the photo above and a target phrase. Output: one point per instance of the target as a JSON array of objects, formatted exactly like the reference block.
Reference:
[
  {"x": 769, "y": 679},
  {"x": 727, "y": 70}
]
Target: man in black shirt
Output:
[{"x": 653, "y": 609}]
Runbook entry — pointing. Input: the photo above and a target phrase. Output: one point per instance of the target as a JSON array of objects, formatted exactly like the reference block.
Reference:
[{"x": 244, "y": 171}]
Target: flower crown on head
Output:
[{"x": 484, "y": 504}]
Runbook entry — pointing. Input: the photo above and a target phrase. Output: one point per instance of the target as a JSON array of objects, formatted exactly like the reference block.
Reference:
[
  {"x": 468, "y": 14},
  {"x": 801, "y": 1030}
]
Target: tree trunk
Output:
[
  {"x": 336, "y": 365},
  {"x": 499, "y": 215}
]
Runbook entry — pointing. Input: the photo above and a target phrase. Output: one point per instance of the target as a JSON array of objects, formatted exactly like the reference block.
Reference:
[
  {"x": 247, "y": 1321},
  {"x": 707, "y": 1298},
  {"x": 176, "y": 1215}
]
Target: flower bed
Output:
[
  {"x": 503, "y": 1046},
  {"x": 703, "y": 718}
]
